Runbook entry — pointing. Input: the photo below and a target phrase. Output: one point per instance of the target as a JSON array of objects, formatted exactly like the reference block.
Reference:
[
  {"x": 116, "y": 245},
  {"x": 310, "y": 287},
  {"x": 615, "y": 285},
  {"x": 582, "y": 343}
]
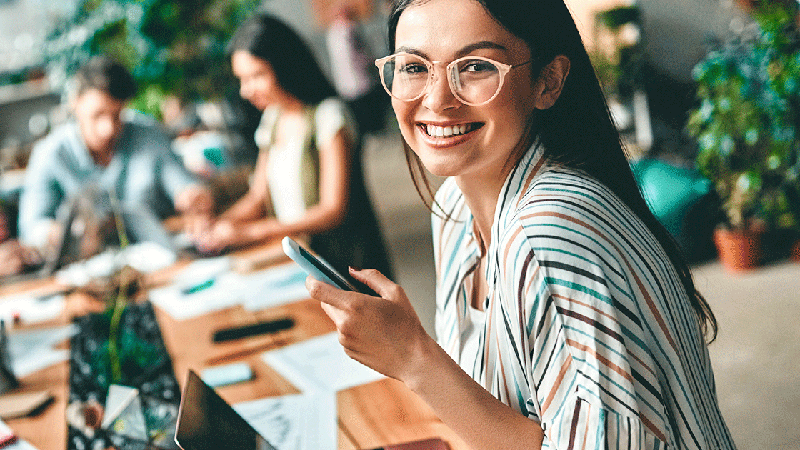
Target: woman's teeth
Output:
[{"x": 456, "y": 130}]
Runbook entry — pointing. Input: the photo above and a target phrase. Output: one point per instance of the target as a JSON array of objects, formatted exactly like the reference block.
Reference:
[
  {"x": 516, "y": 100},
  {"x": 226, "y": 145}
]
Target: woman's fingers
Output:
[
  {"x": 336, "y": 315},
  {"x": 326, "y": 293},
  {"x": 385, "y": 287}
]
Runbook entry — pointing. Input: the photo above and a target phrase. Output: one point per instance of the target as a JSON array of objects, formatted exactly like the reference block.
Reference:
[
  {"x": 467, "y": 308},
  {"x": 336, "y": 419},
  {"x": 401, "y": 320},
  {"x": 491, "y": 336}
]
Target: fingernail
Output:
[{"x": 354, "y": 269}]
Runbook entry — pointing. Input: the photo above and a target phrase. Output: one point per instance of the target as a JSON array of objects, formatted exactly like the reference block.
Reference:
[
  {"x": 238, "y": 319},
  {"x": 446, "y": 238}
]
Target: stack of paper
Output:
[
  {"x": 208, "y": 285},
  {"x": 31, "y": 309},
  {"x": 145, "y": 257},
  {"x": 294, "y": 422},
  {"x": 319, "y": 363},
  {"x": 33, "y": 350},
  {"x": 318, "y": 367}
]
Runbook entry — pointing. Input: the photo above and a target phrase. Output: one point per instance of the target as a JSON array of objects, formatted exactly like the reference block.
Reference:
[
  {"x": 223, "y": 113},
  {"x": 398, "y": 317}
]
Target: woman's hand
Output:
[
  {"x": 195, "y": 204},
  {"x": 195, "y": 199},
  {"x": 215, "y": 237},
  {"x": 383, "y": 333}
]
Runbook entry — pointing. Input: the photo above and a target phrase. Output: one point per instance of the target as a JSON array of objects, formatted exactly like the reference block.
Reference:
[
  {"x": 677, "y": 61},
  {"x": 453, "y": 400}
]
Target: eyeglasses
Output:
[{"x": 473, "y": 80}]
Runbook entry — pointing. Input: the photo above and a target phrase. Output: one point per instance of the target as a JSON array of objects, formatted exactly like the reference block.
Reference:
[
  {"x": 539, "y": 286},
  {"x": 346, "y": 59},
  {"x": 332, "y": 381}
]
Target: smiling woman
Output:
[{"x": 565, "y": 314}]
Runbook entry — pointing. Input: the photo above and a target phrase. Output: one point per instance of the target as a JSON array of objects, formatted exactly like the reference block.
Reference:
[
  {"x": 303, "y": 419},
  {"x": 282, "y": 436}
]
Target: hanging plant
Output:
[{"x": 171, "y": 47}]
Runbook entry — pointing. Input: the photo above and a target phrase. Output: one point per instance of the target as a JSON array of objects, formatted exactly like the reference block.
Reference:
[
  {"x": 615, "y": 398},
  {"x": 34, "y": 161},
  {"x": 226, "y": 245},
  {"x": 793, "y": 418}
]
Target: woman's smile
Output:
[{"x": 447, "y": 135}]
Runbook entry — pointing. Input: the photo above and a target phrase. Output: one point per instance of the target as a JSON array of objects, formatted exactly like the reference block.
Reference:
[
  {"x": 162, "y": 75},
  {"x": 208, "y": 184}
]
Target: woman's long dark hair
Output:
[
  {"x": 293, "y": 62},
  {"x": 577, "y": 131}
]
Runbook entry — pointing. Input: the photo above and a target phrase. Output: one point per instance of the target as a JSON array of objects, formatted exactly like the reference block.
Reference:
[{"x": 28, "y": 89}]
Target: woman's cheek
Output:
[{"x": 405, "y": 120}]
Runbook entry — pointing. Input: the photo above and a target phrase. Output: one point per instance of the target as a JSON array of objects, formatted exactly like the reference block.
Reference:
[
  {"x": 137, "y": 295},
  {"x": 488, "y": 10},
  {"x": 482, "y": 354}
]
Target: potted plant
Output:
[
  {"x": 121, "y": 346},
  {"x": 746, "y": 128}
]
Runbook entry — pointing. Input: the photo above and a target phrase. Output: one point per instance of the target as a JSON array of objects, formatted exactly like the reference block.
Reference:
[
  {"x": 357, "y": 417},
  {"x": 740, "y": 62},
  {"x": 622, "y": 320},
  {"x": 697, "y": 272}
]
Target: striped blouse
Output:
[{"x": 587, "y": 327}]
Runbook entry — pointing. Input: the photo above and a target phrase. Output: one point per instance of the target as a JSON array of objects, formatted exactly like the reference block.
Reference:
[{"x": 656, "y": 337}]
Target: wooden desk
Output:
[{"x": 373, "y": 415}]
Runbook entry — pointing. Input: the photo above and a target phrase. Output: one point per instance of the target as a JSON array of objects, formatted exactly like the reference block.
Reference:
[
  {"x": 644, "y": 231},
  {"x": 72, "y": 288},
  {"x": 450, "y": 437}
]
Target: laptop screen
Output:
[{"x": 206, "y": 421}]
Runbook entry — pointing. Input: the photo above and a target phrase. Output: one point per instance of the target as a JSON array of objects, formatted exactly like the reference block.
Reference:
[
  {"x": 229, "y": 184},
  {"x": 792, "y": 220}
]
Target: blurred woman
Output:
[{"x": 308, "y": 178}]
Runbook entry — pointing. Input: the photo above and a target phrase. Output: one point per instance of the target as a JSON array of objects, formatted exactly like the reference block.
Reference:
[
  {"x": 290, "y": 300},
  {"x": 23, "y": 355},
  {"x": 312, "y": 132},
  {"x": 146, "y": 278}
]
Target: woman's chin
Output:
[{"x": 440, "y": 166}]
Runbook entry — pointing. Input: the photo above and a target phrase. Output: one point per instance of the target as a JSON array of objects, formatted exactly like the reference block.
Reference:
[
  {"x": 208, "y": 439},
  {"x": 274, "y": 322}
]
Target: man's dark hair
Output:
[{"x": 107, "y": 75}]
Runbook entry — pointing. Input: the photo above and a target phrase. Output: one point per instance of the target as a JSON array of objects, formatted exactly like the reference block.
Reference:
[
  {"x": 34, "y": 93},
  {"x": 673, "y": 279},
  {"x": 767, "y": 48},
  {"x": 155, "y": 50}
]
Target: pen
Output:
[
  {"x": 276, "y": 341},
  {"x": 255, "y": 329},
  {"x": 198, "y": 287}
]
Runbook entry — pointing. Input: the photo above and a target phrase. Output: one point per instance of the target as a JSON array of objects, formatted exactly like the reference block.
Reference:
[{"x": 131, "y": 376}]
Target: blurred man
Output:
[{"x": 110, "y": 157}]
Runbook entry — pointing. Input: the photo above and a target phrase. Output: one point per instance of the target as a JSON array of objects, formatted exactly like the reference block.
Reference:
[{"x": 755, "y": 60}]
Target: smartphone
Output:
[{"x": 321, "y": 269}]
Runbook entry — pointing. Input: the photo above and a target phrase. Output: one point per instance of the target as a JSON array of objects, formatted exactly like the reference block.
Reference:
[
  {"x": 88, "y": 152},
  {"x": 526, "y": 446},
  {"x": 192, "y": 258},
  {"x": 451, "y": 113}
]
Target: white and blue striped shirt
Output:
[{"x": 588, "y": 329}]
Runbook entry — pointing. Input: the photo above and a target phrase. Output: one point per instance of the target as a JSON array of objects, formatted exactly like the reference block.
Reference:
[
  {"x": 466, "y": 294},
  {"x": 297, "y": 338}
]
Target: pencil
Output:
[{"x": 274, "y": 342}]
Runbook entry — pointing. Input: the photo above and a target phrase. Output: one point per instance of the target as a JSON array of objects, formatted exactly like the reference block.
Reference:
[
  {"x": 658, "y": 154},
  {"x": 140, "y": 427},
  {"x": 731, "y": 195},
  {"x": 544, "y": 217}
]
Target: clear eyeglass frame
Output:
[{"x": 502, "y": 69}]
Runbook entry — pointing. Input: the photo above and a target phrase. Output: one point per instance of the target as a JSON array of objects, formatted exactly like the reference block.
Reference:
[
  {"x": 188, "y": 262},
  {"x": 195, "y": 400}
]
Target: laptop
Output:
[{"x": 206, "y": 422}]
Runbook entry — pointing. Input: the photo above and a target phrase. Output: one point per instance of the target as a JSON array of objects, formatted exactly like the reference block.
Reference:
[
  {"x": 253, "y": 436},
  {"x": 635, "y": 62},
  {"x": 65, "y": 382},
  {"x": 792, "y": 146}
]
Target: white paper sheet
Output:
[
  {"x": 259, "y": 290},
  {"x": 33, "y": 350},
  {"x": 294, "y": 422},
  {"x": 274, "y": 286},
  {"x": 177, "y": 302},
  {"x": 201, "y": 270},
  {"x": 319, "y": 364},
  {"x": 145, "y": 257},
  {"x": 31, "y": 309}
]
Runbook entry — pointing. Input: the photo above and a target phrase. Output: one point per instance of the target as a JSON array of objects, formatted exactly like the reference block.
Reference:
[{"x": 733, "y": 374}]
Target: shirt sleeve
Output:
[
  {"x": 331, "y": 116},
  {"x": 585, "y": 392},
  {"x": 174, "y": 175},
  {"x": 41, "y": 194}
]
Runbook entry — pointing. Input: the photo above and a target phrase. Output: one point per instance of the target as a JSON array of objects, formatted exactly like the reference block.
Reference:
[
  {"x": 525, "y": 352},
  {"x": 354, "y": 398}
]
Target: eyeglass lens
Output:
[{"x": 472, "y": 80}]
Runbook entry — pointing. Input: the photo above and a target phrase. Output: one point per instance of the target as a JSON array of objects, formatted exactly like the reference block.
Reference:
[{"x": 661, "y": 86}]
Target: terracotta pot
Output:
[
  {"x": 795, "y": 254},
  {"x": 738, "y": 250}
]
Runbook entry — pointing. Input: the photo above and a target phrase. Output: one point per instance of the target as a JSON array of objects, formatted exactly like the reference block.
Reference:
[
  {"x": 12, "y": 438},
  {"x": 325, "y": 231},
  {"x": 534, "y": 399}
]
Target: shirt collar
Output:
[
  {"x": 81, "y": 153},
  {"x": 517, "y": 184}
]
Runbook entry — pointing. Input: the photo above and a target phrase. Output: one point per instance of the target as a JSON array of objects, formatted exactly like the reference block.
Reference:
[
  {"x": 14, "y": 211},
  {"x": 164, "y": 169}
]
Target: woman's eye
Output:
[
  {"x": 478, "y": 66},
  {"x": 413, "y": 69}
]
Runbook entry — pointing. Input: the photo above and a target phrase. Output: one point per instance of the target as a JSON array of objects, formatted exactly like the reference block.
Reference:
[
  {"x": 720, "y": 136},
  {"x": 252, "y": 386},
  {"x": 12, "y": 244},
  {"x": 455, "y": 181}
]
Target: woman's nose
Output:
[{"x": 439, "y": 96}]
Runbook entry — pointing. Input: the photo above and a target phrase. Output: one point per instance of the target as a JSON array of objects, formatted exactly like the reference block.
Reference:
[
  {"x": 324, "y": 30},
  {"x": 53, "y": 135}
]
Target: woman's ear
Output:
[{"x": 551, "y": 81}]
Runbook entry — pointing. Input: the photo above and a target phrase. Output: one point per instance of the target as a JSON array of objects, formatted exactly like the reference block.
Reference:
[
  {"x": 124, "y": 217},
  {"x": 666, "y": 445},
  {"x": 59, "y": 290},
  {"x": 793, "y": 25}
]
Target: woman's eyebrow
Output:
[
  {"x": 411, "y": 51},
  {"x": 466, "y": 50},
  {"x": 481, "y": 45}
]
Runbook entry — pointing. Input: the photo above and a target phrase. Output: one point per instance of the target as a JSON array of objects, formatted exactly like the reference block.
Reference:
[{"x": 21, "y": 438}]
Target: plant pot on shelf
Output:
[
  {"x": 795, "y": 252},
  {"x": 738, "y": 250}
]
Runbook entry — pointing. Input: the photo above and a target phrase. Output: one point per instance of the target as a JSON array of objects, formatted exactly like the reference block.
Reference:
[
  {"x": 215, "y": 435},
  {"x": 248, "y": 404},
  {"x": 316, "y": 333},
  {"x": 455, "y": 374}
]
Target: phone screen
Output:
[
  {"x": 321, "y": 270},
  {"x": 340, "y": 281}
]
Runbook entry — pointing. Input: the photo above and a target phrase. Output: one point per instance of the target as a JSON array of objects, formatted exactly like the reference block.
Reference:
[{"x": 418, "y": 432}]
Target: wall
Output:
[
  {"x": 299, "y": 14},
  {"x": 677, "y": 32},
  {"x": 583, "y": 11}
]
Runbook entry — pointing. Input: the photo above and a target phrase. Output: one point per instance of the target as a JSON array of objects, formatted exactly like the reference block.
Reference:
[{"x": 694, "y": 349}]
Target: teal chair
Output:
[{"x": 681, "y": 199}]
